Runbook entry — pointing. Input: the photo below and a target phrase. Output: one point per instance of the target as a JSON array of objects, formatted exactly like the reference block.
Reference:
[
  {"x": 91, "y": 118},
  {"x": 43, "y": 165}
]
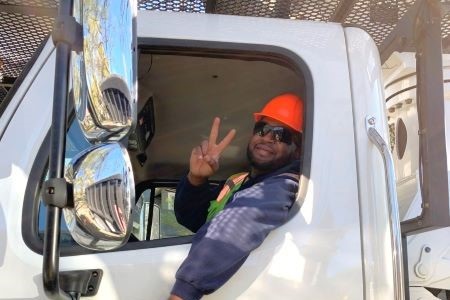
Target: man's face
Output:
[{"x": 266, "y": 154}]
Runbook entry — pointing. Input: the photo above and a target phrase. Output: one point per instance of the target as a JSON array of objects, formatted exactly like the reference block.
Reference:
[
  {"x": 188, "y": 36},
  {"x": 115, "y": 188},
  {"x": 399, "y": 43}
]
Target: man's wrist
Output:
[
  {"x": 185, "y": 290},
  {"x": 196, "y": 180}
]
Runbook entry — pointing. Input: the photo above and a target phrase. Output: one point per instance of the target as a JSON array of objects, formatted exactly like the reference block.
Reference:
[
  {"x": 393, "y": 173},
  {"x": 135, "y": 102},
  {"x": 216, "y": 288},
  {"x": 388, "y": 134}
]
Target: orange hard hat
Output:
[{"x": 286, "y": 109}]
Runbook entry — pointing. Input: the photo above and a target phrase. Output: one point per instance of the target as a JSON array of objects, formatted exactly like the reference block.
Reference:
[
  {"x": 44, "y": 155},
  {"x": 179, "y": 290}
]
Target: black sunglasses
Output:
[{"x": 280, "y": 133}]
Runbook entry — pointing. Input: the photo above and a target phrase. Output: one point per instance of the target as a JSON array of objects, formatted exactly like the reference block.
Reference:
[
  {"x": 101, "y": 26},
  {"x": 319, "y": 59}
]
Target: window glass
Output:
[
  {"x": 168, "y": 225},
  {"x": 163, "y": 221},
  {"x": 140, "y": 216}
]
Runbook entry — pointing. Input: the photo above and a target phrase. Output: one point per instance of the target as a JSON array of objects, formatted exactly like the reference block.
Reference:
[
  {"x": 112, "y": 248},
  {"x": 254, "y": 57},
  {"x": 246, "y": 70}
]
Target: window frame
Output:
[{"x": 269, "y": 53}]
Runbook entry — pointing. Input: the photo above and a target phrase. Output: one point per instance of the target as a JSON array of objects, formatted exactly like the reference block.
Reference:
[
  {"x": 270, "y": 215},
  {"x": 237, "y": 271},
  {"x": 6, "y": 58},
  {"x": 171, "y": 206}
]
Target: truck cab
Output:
[{"x": 341, "y": 239}]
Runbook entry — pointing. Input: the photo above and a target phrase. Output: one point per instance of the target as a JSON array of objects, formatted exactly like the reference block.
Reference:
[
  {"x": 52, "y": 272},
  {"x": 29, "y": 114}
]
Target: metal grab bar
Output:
[{"x": 394, "y": 219}]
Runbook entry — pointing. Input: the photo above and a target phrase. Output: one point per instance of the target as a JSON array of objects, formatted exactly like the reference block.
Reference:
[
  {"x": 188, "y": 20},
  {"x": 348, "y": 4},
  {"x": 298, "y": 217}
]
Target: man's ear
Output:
[
  {"x": 298, "y": 147},
  {"x": 296, "y": 151}
]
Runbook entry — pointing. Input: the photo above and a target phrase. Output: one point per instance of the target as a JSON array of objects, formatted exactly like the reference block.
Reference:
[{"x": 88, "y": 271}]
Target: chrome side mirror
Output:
[
  {"x": 103, "y": 194},
  {"x": 104, "y": 84},
  {"x": 104, "y": 80},
  {"x": 104, "y": 76}
]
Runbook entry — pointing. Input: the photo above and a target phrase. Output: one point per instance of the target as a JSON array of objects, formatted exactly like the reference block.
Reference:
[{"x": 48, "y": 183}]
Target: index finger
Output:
[
  {"x": 226, "y": 140},
  {"x": 214, "y": 132}
]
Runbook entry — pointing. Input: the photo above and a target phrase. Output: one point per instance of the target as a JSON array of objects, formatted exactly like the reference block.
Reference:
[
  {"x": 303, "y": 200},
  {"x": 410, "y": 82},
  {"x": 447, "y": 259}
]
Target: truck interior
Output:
[{"x": 184, "y": 91}]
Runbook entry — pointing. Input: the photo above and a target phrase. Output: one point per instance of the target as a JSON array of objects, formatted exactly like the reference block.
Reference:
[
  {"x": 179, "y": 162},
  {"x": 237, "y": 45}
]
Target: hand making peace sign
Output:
[{"x": 204, "y": 161}]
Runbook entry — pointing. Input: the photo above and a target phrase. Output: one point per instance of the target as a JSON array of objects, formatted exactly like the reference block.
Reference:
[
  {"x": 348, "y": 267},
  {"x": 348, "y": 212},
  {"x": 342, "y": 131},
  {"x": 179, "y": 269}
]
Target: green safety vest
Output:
[{"x": 232, "y": 184}]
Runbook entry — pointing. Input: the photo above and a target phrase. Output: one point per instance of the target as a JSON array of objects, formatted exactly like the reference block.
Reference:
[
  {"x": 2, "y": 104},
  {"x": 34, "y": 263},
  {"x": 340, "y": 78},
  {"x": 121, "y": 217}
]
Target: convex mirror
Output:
[
  {"x": 104, "y": 73},
  {"x": 105, "y": 97},
  {"x": 103, "y": 194}
]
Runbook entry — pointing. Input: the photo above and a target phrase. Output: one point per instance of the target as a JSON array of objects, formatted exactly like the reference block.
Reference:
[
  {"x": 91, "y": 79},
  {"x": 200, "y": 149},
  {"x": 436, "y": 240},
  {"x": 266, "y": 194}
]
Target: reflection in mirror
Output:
[
  {"x": 104, "y": 74},
  {"x": 140, "y": 216},
  {"x": 103, "y": 193}
]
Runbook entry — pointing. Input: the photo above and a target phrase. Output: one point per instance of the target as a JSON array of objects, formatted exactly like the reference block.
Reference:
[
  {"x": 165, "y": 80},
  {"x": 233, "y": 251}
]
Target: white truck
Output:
[{"x": 343, "y": 239}]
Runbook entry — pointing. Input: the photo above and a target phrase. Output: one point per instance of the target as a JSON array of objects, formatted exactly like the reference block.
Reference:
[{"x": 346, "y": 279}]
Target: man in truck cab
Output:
[{"x": 233, "y": 219}]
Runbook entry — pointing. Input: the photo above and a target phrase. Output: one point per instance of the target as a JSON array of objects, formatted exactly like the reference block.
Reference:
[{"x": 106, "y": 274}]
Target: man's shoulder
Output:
[
  {"x": 288, "y": 175},
  {"x": 291, "y": 175},
  {"x": 291, "y": 170}
]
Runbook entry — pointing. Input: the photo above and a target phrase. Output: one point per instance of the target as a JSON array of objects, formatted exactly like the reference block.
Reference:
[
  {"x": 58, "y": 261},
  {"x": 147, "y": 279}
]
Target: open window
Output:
[
  {"x": 184, "y": 92},
  {"x": 181, "y": 90}
]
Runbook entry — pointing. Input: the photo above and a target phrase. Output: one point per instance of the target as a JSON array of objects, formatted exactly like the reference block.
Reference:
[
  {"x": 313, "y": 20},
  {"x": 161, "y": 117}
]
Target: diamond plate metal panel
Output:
[
  {"x": 173, "y": 5},
  {"x": 321, "y": 10},
  {"x": 32, "y": 3},
  {"x": 369, "y": 15},
  {"x": 20, "y": 36}
]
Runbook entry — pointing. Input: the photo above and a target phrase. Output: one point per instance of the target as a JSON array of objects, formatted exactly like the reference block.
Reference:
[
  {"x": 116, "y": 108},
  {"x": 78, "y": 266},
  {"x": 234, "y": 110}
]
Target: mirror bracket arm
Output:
[
  {"x": 57, "y": 192},
  {"x": 84, "y": 283},
  {"x": 68, "y": 30}
]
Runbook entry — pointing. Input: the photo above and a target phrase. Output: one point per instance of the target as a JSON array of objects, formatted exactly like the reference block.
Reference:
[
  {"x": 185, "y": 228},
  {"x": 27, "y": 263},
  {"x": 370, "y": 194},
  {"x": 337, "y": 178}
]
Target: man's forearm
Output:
[
  {"x": 221, "y": 246},
  {"x": 192, "y": 202}
]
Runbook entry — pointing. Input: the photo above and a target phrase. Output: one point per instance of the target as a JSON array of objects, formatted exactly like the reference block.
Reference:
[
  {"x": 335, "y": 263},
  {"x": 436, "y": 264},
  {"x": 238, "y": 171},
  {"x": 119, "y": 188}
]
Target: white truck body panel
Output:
[
  {"x": 20, "y": 267},
  {"x": 366, "y": 90}
]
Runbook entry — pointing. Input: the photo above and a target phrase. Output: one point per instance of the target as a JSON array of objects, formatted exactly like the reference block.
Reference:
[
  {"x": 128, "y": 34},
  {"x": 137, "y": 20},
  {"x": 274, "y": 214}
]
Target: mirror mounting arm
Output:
[
  {"x": 57, "y": 192},
  {"x": 68, "y": 30},
  {"x": 50, "y": 259}
]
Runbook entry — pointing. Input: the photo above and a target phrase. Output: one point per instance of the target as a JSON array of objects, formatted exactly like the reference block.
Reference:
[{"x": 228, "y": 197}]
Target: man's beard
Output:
[{"x": 267, "y": 166}]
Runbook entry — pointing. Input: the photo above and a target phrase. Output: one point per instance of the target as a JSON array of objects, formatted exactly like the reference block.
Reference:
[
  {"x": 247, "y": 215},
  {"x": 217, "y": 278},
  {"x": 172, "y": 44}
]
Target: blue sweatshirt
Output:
[{"x": 222, "y": 245}]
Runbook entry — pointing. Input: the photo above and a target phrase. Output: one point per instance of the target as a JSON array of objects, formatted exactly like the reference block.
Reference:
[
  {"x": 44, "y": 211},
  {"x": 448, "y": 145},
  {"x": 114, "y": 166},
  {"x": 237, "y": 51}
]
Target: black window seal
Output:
[{"x": 267, "y": 53}]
